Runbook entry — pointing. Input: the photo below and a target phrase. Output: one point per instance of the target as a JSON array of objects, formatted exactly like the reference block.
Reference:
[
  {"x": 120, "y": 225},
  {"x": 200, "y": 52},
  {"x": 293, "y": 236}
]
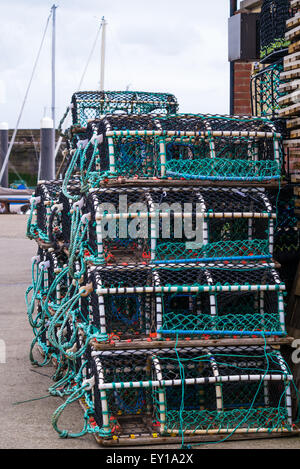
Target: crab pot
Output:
[
  {"x": 273, "y": 17},
  {"x": 186, "y": 224},
  {"x": 223, "y": 223},
  {"x": 55, "y": 281},
  {"x": 48, "y": 289},
  {"x": 61, "y": 219},
  {"x": 187, "y": 146},
  {"x": 234, "y": 300},
  {"x": 124, "y": 316},
  {"x": 118, "y": 239},
  {"x": 286, "y": 235},
  {"x": 46, "y": 195},
  {"x": 265, "y": 91},
  {"x": 191, "y": 391},
  {"x": 135, "y": 302},
  {"x": 90, "y": 105}
]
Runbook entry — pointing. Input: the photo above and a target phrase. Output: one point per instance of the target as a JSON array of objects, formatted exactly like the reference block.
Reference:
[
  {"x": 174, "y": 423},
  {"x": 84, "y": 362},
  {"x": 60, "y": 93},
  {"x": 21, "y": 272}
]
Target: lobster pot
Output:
[
  {"x": 265, "y": 91},
  {"x": 191, "y": 391},
  {"x": 286, "y": 235},
  {"x": 60, "y": 219},
  {"x": 122, "y": 412},
  {"x": 187, "y": 300},
  {"x": 184, "y": 146},
  {"x": 124, "y": 315},
  {"x": 212, "y": 223},
  {"x": 45, "y": 268},
  {"x": 90, "y": 105},
  {"x": 46, "y": 195},
  {"x": 220, "y": 301},
  {"x": 273, "y": 17},
  {"x": 56, "y": 280},
  {"x": 68, "y": 327},
  {"x": 221, "y": 157},
  {"x": 118, "y": 237},
  {"x": 44, "y": 297}
]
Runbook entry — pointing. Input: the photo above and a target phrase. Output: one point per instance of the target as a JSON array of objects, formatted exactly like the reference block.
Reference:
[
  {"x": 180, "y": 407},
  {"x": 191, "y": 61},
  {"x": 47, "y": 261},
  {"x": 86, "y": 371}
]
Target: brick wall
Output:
[{"x": 242, "y": 97}]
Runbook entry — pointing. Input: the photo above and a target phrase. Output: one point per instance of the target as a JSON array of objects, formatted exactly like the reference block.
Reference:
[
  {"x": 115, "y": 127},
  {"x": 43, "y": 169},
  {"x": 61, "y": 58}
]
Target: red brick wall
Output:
[{"x": 242, "y": 97}]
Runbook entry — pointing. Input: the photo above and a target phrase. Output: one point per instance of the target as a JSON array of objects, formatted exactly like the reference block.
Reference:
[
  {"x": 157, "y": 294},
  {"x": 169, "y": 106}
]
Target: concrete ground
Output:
[{"x": 28, "y": 425}]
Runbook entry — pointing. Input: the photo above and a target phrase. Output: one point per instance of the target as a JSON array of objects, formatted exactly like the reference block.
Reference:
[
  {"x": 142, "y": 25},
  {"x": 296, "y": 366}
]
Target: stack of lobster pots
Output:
[{"x": 154, "y": 290}]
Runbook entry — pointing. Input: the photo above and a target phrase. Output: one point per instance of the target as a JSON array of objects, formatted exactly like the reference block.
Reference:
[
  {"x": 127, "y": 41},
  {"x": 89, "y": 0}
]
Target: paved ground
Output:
[{"x": 28, "y": 425}]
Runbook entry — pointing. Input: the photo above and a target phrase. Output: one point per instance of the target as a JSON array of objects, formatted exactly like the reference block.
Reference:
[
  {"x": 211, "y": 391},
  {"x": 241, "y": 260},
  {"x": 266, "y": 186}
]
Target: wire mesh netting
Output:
[
  {"x": 184, "y": 146},
  {"x": 133, "y": 303},
  {"x": 89, "y": 105},
  {"x": 274, "y": 14},
  {"x": 265, "y": 90},
  {"x": 46, "y": 194},
  {"x": 192, "y": 391},
  {"x": 159, "y": 224},
  {"x": 144, "y": 270}
]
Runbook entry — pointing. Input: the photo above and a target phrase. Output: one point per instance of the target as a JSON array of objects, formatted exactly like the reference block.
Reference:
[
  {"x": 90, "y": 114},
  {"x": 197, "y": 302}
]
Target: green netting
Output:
[
  {"x": 273, "y": 17},
  {"x": 135, "y": 156},
  {"x": 178, "y": 250},
  {"x": 180, "y": 322},
  {"x": 223, "y": 313},
  {"x": 270, "y": 419},
  {"x": 221, "y": 168},
  {"x": 93, "y": 104},
  {"x": 180, "y": 146},
  {"x": 265, "y": 91},
  {"x": 276, "y": 45}
]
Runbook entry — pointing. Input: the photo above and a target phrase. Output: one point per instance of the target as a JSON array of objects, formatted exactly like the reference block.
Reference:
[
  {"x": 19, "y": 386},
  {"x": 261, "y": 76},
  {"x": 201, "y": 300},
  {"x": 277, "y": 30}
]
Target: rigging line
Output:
[
  {"x": 25, "y": 99},
  {"x": 14, "y": 170},
  {"x": 89, "y": 57},
  {"x": 34, "y": 146},
  {"x": 80, "y": 83}
]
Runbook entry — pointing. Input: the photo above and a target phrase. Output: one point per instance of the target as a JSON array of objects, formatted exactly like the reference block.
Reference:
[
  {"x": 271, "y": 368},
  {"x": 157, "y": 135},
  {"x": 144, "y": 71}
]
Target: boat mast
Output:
[
  {"x": 53, "y": 9},
  {"x": 103, "y": 24}
]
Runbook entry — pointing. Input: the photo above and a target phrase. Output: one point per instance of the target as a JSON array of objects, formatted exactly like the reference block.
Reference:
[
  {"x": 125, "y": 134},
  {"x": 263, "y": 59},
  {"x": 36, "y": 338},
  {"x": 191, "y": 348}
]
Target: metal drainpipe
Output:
[{"x": 233, "y": 8}]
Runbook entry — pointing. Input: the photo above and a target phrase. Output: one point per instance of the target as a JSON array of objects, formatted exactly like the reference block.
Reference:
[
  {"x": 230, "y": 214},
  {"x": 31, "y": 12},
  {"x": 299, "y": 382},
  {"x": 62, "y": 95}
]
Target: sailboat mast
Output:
[
  {"x": 102, "y": 54},
  {"x": 53, "y": 62}
]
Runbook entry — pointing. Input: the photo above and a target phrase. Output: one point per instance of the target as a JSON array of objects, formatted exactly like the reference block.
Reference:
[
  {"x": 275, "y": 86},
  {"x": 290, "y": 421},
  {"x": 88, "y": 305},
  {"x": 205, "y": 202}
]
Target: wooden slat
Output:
[
  {"x": 120, "y": 182},
  {"x": 292, "y": 34},
  {"x": 289, "y": 86},
  {"x": 293, "y": 123},
  {"x": 290, "y": 99},
  {"x": 292, "y": 143},
  {"x": 292, "y": 65},
  {"x": 295, "y": 133},
  {"x": 143, "y": 344},
  {"x": 295, "y": 178},
  {"x": 169, "y": 440},
  {"x": 291, "y": 57},
  {"x": 294, "y": 153},
  {"x": 293, "y": 110},
  {"x": 295, "y": 47},
  {"x": 291, "y": 75},
  {"x": 293, "y": 22},
  {"x": 297, "y": 191}
]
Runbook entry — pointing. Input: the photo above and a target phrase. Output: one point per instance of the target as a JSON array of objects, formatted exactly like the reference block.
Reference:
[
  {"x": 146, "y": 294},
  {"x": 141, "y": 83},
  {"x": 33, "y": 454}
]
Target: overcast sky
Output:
[{"x": 174, "y": 46}]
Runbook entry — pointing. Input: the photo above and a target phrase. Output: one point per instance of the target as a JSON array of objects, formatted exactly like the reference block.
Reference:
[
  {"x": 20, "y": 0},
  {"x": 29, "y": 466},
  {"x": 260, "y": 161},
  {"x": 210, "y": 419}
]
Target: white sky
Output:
[{"x": 174, "y": 46}]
